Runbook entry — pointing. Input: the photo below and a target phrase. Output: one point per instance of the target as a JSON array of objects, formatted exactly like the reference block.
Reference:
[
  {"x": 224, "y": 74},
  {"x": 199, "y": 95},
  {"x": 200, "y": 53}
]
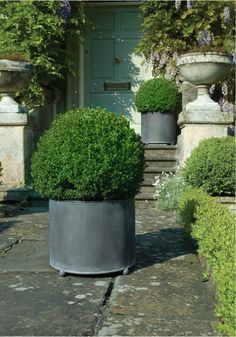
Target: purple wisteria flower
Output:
[
  {"x": 204, "y": 38},
  {"x": 224, "y": 89},
  {"x": 65, "y": 10},
  {"x": 163, "y": 61},
  {"x": 226, "y": 106},
  {"x": 226, "y": 14},
  {"x": 154, "y": 57},
  {"x": 177, "y": 4},
  {"x": 191, "y": 4},
  {"x": 212, "y": 89},
  {"x": 170, "y": 72}
]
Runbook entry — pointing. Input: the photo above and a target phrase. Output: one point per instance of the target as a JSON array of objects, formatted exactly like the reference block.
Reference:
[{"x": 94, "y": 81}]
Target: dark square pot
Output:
[{"x": 158, "y": 128}]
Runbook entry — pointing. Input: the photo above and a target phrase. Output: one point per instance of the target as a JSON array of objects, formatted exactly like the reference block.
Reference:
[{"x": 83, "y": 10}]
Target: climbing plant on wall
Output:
[
  {"x": 171, "y": 28},
  {"x": 39, "y": 30}
]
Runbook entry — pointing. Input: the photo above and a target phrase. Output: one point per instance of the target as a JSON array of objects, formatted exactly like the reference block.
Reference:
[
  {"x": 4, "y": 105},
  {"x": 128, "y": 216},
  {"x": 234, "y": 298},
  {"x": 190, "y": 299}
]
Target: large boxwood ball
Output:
[
  {"x": 158, "y": 95},
  {"x": 88, "y": 154},
  {"x": 211, "y": 166}
]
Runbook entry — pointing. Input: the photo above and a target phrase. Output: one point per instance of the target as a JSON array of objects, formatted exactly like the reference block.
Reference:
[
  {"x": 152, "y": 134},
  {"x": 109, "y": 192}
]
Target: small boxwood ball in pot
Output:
[
  {"x": 158, "y": 95},
  {"x": 88, "y": 154}
]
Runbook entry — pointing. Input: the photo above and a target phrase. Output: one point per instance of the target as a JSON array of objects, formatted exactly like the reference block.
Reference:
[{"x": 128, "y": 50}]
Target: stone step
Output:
[
  {"x": 159, "y": 158},
  {"x": 161, "y": 151},
  {"x": 158, "y": 170},
  {"x": 145, "y": 204},
  {"x": 161, "y": 147},
  {"x": 149, "y": 177},
  {"x": 150, "y": 156},
  {"x": 144, "y": 196},
  {"x": 148, "y": 189},
  {"x": 161, "y": 166}
]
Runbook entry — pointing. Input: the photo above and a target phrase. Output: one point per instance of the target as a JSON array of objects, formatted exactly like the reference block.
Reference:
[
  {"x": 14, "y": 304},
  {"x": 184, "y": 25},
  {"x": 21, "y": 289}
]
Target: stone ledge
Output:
[
  {"x": 200, "y": 117},
  {"x": 17, "y": 193},
  {"x": 13, "y": 119},
  {"x": 229, "y": 202}
]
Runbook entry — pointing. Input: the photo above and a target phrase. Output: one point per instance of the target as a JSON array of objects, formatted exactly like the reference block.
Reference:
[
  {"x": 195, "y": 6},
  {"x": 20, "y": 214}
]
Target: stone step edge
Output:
[
  {"x": 160, "y": 159},
  {"x": 145, "y": 196},
  {"x": 159, "y": 170},
  {"x": 160, "y": 147}
]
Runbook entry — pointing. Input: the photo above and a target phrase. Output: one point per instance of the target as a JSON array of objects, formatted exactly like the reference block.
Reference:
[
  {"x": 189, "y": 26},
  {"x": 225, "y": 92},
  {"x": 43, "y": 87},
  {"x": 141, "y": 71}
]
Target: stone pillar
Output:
[
  {"x": 16, "y": 137},
  {"x": 199, "y": 120}
]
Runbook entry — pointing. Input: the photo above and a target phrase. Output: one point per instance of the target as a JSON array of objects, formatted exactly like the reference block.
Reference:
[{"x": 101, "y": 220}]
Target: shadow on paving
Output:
[
  {"x": 6, "y": 225},
  {"x": 161, "y": 246},
  {"x": 12, "y": 212}
]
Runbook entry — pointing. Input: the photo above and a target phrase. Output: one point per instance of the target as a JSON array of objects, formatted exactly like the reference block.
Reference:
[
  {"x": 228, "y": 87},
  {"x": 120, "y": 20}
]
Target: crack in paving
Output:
[
  {"x": 104, "y": 306},
  {"x": 6, "y": 247}
]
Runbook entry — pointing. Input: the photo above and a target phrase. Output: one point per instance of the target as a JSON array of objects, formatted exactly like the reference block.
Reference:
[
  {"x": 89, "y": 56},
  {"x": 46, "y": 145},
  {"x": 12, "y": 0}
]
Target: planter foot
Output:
[
  {"x": 61, "y": 273},
  {"x": 126, "y": 271}
]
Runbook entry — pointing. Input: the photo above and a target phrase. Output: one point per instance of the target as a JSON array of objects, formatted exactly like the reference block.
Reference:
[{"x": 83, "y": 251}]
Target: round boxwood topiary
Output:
[
  {"x": 211, "y": 166},
  {"x": 158, "y": 95},
  {"x": 88, "y": 154}
]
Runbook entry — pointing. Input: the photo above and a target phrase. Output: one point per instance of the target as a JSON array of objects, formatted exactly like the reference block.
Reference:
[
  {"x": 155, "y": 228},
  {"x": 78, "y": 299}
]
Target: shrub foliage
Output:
[
  {"x": 211, "y": 166},
  {"x": 158, "y": 95},
  {"x": 175, "y": 27},
  {"x": 88, "y": 154},
  {"x": 37, "y": 31},
  {"x": 212, "y": 225}
]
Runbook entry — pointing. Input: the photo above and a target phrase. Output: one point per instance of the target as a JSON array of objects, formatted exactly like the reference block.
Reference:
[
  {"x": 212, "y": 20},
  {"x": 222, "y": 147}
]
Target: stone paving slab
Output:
[
  {"x": 153, "y": 296},
  {"x": 168, "y": 295},
  {"x": 26, "y": 256},
  {"x": 152, "y": 326},
  {"x": 162, "y": 296},
  {"x": 42, "y": 304}
]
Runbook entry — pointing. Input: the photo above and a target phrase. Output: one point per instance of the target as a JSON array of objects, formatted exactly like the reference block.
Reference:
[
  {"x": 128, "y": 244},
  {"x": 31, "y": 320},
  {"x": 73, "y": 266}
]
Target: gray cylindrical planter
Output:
[
  {"x": 92, "y": 237},
  {"x": 158, "y": 128}
]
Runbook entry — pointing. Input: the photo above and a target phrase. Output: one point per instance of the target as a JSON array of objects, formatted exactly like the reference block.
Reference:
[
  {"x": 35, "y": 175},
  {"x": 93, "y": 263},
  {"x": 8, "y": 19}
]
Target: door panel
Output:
[
  {"x": 110, "y": 58},
  {"x": 102, "y": 67},
  {"x": 102, "y": 100},
  {"x": 130, "y": 23},
  {"x": 103, "y": 22}
]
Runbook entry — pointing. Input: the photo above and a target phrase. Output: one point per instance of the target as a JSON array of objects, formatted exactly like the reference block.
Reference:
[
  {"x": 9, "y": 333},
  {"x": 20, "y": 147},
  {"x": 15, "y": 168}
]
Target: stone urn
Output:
[
  {"x": 203, "y": 70},
  {"x": 14, "y": 76}
]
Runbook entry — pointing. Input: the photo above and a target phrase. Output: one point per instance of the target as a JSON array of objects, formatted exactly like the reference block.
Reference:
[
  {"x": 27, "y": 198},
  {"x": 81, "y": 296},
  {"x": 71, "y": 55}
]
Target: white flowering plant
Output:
[{"x": 169, "y": 189}]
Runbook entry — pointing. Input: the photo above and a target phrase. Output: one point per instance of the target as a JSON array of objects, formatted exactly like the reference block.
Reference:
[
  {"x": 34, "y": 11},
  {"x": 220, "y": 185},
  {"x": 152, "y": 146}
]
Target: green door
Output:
[{"x": 112, "y": 70}]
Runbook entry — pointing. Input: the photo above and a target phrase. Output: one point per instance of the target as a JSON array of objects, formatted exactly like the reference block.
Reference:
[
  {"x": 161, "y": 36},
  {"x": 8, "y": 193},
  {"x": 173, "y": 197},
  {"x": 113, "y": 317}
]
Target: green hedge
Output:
[
  {"x": 211, "y": 166},
  {"x": 89, "y": 154},
  {"x": 213, "y": 226},
  {"x": 158, "y": 95}
]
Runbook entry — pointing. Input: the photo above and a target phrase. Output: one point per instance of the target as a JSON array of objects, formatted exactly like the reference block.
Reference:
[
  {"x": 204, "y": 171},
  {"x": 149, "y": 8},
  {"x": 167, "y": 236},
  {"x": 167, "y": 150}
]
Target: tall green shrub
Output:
[
  {"x": 211, "y": 166},
  {"x": 38, "y": 30},
  {"x": 213, "y": 226},
  {"x": 89, "y": 154}
]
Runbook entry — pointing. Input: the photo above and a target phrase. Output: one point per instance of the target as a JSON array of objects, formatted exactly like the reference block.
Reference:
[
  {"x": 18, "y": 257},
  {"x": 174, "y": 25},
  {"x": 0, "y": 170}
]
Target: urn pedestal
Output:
[
  {"x": 15, "y": 132},
  {"x": 203, "y": 117}
]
